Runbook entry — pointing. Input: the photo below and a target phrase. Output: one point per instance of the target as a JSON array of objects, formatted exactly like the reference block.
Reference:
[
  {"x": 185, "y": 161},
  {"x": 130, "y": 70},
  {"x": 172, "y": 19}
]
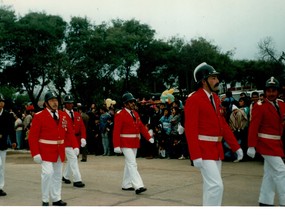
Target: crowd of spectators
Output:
[
  {"x": 238, "y": 115},
  {"x": 164, "y": 122},
  {"x": 22, "y": 121}
]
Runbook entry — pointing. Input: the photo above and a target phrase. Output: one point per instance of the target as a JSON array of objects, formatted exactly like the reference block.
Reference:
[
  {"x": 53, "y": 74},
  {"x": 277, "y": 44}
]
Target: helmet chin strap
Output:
[
  {"x": 50, "y": 106},
  {"x": 210, "y": 87}
]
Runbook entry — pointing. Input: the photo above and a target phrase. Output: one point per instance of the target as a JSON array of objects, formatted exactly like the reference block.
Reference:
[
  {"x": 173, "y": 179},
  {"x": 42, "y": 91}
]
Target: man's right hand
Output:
[
  {"x": 251, "y": 152},
  {"x": 239, "y": 154},
  {"x": 83, "y": 142},
  {"x": 118, "y": 150},
  {"x": 38, "y": 158},
  {"x": 198, "y": 163},
  {"x": 76, "y": 151}
]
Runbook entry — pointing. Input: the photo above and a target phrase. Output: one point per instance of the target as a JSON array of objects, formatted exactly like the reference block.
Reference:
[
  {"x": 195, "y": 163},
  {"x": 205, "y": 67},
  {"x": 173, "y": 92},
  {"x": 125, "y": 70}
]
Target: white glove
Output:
[
  {"x": 180, "y": 129},
  {"x": 38, "y": 158},
  {"x": 251, "y": 152},
  {"x": 151, "y": 140},
  {"x": 118, "y": 150},
  {"x": 76, "y": 151},
  {"x": 198, "y": 163},
  {"x": 239, "y": 154},
  {"x": 83, "y": 142}
]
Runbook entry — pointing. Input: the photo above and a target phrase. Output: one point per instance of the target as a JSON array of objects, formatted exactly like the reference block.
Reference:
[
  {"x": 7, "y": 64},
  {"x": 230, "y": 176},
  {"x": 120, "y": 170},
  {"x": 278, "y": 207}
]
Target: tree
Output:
[
  {"x": 128, "y": 40},
  {"x": 35, "y": 45},
  {"x": 153, "y": 62},
  {"x": 253, "y": 74},
  {"x": 7, "y": 23},
  {"x": 267, "y": 50},
  {"x": 9, "y": 95},
  {"x": 77, "y": 40},
  {"x": 269, "y": 54}
]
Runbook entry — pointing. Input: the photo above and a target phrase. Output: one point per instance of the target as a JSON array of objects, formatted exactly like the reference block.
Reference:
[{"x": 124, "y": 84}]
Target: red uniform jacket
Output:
[
  {"x": 265, "y": 120},
  {"x": 45, "y": 132},
  {"x": 124, "y": 124},
  {"x": 202, "y": 119},
  {"x": 78, "y": 128}
]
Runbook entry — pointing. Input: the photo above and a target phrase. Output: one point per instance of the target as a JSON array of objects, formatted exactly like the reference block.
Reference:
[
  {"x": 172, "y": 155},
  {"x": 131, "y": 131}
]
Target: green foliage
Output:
[
  {"x": 7, "y": 19},
  {"x": 9, "y": 95},
  {"x": 34, "y": 44},
  {"x": 255, "y": 73},
  {"x": 8, "y": 92},
  {"x": 21, "y": 99},
  {"x": 127, "y": 40},
  {"x": 95, "y": 62}
]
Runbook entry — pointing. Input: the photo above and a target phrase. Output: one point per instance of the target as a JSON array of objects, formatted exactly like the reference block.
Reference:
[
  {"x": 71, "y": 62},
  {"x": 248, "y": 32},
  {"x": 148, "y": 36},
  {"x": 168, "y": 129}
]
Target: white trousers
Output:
[
  {"x": 2, "y": 168},
  {"x": 71, "y": 169},
  {"x": 51, "y": 180},
  {"x": 131, "y": 176},
  {"x": 213, "y": 187},
  {"x": 273, "y": 180}
]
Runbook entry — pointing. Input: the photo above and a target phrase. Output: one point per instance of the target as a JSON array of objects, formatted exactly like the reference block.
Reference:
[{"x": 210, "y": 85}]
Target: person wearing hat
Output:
[
  {"x": 50, "y": 127},
  {"x": 6, "y": 130},
  {"x": 205, "y": 127},
  {"x": 238, "y": 122},
  {"x": 126, "y": 139},
  {"x": 265, "y": 132},
  {"x": 72, "y": 168}
]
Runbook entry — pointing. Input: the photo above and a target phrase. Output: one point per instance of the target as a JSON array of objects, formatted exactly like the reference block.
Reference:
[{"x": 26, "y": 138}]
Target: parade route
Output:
[{"x": 169, "y": 183}]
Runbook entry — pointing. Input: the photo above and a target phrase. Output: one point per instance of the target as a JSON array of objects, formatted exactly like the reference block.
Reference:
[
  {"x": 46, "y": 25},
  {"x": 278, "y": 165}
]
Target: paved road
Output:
[{"x": 169, "y": 183}]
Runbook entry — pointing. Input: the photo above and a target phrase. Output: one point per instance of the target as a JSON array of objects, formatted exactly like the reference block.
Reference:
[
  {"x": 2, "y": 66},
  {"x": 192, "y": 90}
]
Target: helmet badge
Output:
[{"x": 272, "y": 81}]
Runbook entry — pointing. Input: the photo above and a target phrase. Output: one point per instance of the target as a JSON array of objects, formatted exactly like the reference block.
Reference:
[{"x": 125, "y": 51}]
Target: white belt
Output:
[
  {"x": 269, "y": 136},
  {"x": 130, "y": 135},
  {"x": 210, "y": 138},
  {"x": 51, "y": 141}
]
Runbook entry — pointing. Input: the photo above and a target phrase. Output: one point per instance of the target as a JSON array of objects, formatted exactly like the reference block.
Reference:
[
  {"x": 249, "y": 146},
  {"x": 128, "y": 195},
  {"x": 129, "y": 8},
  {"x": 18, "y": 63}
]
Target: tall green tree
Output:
[
  {"x": 188, "y": 55},
  {"x": 153, "y": 62},
  {"x": 7, "y": 23},
  {"x": 37, "y": 40},
  {"x": 79, "y": 32},
  {"x": 128, "y": 39}
]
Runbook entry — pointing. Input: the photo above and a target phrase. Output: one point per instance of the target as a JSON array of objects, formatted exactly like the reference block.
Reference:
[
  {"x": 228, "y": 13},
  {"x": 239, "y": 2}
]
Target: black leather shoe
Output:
[
  {"x": 266, "y": 205},
  {"x": 66, "y": 180},
  {"x": 78, "y": 184},
  {"x": 45, "y": 204},
  {"x": 59, "y": 203},
  {"x": 140, "y": 190},
  {"x": 128, "y": 189},
  {"x": 2, "y": 193},
  {"x": 83, "y": 160}
]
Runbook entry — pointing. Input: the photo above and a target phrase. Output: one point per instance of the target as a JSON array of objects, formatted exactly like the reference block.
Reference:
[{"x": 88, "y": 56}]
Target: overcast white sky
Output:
[{"x": 229, "y": 24}]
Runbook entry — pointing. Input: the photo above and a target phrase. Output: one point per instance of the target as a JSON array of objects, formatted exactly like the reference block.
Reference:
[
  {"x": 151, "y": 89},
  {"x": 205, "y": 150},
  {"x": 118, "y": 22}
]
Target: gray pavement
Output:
[{"x": 169, "y": 183}]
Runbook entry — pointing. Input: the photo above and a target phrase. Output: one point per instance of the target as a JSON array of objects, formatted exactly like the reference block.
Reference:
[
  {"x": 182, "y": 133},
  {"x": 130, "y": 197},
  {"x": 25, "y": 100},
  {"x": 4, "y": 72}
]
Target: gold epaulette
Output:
[
  {"x": 280, "y": 100},
  {"x": 38, "y": 112},
  {"x": 259, "y": 102},
  {"x": 191, "y": 94}
]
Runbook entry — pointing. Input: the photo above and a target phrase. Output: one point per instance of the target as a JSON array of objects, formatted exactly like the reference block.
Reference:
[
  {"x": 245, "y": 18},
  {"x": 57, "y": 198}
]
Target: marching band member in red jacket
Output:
[
  {"x": 72, "y": 168},
  {"x": 126, "y": 139},
  {"x": 46, "y": 139},
  {"x": 265, "y": 132},
  {"x": 205, "y": 127}
]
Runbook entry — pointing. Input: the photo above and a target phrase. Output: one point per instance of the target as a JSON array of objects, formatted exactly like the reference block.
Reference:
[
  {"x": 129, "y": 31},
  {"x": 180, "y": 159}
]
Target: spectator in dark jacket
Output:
[{"x": 6, "y": 129}]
